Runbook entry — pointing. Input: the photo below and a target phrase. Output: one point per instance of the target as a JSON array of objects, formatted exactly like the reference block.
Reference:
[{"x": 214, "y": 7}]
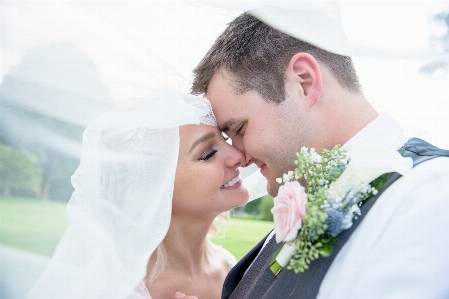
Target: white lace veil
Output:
[
  {"x": 121, "y": 208},
  {"x": 64, "y": 63}
]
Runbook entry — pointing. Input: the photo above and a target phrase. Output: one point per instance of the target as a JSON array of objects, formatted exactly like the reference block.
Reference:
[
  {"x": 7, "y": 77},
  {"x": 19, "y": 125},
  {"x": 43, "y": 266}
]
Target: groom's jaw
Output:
[{"x": 264, "y": 170}]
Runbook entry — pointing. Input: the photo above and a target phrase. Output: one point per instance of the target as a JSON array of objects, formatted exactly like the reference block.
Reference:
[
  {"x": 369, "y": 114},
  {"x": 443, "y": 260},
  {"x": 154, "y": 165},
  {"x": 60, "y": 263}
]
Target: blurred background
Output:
[{"x": 62, "y": 64}]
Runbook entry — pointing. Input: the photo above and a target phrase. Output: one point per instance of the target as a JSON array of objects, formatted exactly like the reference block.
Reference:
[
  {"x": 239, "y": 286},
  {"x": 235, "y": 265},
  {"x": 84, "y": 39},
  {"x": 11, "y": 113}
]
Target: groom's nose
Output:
[
  {"x": 238, "y": 144},
  {"x": 248, "y": 159}
]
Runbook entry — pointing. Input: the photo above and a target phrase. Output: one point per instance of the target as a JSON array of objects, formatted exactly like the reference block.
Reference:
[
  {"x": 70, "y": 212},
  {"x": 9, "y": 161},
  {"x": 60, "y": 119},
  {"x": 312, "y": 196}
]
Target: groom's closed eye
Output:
[
  {"x": 228, "y": 125},
  {"x": 240, "y": 130}
]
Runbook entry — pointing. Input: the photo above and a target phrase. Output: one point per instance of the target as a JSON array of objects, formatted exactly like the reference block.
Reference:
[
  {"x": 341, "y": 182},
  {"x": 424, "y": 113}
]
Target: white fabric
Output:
[
  {"x": 254, "y": 181},
  {"x": 71, "y": 60},
  {"x": 19, "y": 269},
  {"x": 319, "y": 23},
  {"x": 121, "y": 207},
  {"x": 400, "y": 249},
  {"x": 203, "y": 109}
]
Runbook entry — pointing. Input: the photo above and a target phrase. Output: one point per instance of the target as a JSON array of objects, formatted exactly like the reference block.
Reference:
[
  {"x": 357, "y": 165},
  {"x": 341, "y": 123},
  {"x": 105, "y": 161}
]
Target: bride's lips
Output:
[{"x": 234, "y": 183}]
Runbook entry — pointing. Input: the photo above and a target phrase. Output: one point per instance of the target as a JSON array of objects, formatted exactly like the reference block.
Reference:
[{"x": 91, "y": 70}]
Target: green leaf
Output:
[{"x": 378, "y": 183}]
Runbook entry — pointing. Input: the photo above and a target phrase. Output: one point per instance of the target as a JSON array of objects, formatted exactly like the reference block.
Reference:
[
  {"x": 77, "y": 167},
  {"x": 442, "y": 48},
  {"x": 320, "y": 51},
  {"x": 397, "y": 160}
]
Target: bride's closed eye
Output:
[{"x": 207, "y": 154}]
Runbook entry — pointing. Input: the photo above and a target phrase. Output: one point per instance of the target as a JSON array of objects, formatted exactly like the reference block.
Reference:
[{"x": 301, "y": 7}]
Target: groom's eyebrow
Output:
[
  {"x": 228, "y": 124},
  {"x": 202, "y": 139}
]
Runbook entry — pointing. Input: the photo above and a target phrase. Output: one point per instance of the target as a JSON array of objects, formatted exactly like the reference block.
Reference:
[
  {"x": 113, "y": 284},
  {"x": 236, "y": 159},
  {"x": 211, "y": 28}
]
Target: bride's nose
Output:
[{"x": 235, "y": 158}]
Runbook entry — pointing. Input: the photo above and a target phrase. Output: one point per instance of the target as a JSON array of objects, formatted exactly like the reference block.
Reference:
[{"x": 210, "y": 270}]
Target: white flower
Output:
[
  {"x": 279, "y": 180},
  {"x": 316, "y": 158},
  {"x": 369, "y": 161}
]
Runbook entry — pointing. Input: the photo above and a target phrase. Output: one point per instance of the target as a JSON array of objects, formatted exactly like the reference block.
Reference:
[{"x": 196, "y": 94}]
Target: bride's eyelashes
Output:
[{"x": 207, "y": 154}]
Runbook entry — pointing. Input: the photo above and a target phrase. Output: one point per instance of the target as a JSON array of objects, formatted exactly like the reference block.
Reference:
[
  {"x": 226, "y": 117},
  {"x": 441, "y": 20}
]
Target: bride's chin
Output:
[
  {"x": 240, "y": 195},
  {"x": 243, "y": 197}
]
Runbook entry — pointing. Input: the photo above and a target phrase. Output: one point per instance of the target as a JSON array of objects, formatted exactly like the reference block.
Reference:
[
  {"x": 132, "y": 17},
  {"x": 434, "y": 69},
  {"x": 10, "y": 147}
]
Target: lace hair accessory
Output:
[
  {"x": 121, "y": 207},
  {"x": 203, "y": 108}
]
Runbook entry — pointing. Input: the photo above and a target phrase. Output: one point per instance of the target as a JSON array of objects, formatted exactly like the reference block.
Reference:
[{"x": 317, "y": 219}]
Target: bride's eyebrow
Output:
[
  {"x": 202, "y": 139},
  {"x": 228, "y": 124}
]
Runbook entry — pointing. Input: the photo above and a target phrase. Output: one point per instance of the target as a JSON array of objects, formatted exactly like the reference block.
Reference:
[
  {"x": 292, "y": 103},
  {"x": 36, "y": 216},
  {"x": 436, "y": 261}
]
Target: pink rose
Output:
[{"x": 289, "y": 208}]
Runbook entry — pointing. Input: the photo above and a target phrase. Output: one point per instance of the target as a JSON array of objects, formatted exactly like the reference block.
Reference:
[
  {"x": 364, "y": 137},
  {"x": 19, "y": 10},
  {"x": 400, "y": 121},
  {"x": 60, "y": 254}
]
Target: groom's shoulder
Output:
[
  {"x": 428, "y": 159},
  {"x": 420, "y": 148},
  {"x": 427, "y": 184}
]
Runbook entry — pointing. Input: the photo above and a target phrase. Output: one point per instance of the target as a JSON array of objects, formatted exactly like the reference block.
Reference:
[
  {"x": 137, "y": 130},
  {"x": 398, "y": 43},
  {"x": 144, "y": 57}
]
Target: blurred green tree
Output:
[
  {"x": 20, "y": 172},
  {"x": 265, "y": 208}
]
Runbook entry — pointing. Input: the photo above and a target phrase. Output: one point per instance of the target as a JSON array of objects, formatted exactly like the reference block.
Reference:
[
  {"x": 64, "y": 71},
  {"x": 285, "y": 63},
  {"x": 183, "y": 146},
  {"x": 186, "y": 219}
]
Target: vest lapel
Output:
[{"x": 235, "y": 275}]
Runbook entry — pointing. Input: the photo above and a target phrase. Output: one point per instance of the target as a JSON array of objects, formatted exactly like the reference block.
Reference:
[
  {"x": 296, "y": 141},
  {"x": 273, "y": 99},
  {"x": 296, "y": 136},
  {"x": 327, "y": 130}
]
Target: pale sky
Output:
[{"x": 419, "y": 102}]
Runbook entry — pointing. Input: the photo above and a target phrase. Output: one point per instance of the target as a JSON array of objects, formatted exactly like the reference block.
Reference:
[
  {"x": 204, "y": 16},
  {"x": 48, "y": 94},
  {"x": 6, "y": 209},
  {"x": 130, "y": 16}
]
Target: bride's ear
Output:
[{"x": 304, "y": 72}]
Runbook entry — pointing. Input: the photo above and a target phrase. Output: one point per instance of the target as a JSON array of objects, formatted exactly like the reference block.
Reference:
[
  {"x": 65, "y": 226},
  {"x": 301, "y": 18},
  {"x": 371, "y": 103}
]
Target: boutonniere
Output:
[{"x": 309, "y": 219}]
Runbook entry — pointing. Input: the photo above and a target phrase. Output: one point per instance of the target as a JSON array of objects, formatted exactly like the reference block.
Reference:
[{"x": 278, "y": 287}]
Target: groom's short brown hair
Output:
[{"x": 257, "y": 55}]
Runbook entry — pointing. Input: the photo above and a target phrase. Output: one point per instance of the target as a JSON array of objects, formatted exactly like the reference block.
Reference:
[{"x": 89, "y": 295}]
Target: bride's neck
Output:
[{"x": 186, "y": 244}]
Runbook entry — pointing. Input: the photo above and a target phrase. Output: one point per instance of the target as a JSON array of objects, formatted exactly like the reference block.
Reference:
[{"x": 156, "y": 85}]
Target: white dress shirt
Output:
[{"x": 401, "y": 248}]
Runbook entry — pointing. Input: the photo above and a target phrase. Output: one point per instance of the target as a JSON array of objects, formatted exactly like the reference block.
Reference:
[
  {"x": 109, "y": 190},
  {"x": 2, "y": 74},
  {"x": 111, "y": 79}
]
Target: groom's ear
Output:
[{"x": 304, "y": 72}]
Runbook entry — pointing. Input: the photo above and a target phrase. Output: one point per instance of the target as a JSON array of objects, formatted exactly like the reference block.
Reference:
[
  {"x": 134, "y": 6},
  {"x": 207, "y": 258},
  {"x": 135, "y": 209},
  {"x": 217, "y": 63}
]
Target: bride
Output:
[
  {"x": 154, "y": 176},
  {"x": 207, "y": 183}
]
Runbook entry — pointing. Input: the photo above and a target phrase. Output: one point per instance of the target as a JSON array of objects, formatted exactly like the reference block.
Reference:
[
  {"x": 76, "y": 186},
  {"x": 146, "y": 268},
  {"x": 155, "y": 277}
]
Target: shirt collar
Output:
[{"x": 383, "y": 131}]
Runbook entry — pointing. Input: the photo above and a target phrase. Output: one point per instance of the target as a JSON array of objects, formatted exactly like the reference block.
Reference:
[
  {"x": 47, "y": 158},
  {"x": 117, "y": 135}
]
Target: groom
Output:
[{"x": 272, "y": 94}]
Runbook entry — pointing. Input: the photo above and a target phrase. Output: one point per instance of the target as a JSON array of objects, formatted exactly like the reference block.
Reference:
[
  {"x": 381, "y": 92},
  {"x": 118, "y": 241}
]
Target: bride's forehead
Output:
[
  {"x": 192, "y": 129},
  {"x": 191, "y": 133}
]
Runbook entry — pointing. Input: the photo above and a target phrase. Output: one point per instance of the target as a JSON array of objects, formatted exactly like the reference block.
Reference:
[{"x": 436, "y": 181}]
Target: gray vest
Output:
[{"x": 259, "y": 282}]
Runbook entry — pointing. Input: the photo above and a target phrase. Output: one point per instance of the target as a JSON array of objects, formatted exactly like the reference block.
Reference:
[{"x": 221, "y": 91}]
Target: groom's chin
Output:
[{"x": 272, "y": 188}]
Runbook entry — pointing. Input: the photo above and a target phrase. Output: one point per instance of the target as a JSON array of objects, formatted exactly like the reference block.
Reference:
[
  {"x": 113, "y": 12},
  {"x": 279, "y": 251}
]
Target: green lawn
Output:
[
  {"x": 240, "y": 235},
  {"x": 33, "y": 225},
  {"x": 37, "y": 226}
]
